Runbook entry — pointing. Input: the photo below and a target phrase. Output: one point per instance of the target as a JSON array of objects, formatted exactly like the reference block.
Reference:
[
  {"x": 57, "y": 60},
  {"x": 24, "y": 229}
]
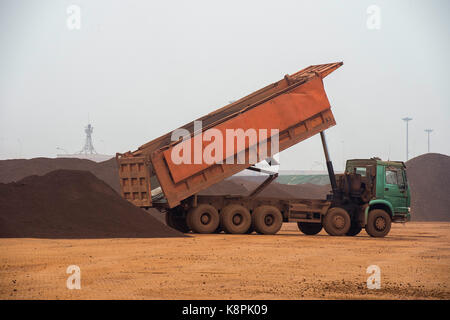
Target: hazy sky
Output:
[{"x": 139, "y": 69}]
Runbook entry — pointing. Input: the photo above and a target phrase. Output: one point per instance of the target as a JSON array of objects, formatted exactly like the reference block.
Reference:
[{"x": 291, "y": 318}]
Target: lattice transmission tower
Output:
[{"x": 88, "y": 147}]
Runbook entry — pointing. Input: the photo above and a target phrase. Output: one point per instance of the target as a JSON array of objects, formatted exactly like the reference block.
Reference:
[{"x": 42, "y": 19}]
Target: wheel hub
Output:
[
  {"x": 268, "y": 220},
  {"x": 237, "y": 219},
  {"x": 339, "y": 222},
  {"x": 380, "y": 224},
  {"x": 205, "y": 218}
]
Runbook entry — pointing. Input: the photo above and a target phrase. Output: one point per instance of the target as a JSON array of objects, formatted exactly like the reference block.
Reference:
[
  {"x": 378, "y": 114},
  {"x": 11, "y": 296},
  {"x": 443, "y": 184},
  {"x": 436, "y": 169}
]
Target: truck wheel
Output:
[
  {"x": 203, "y": 219},
  {"x": 337, "y": 222},
  {"x": 378, "y": 223},
  {"x": 177, "y": 222},
  {"x": 267, "y": 220},
  {"x": 235, "y": 219},
  {"x": 355, "y": 229},
  {"x": 309, "y": 228}
]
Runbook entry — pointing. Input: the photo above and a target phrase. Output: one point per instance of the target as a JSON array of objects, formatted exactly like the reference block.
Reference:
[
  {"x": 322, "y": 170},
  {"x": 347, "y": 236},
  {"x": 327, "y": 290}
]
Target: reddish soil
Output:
[
  {"x": 414, "y": 262},
  {"x": 72, "y": 204},
  {"x": 429, "y": 180}
]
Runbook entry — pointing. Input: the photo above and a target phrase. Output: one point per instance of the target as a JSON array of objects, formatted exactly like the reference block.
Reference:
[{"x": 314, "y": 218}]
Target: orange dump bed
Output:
[{"x": 282, "y": 114}]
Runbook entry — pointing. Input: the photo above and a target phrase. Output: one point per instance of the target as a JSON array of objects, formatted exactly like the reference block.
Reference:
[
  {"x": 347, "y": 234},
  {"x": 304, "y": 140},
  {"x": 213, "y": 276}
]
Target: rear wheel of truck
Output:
[
  {"x": 309, "y": 228},
  {"x": 267, "y": 220},
  {"x": 378, "y": 223},
  {"x": 203, "y": 219},
  {"x": 337, "y": 222},
  {"x": 235, "y": 219},
  {"x": 355, "y": 229},
  {"x": 177, "y": 222}
]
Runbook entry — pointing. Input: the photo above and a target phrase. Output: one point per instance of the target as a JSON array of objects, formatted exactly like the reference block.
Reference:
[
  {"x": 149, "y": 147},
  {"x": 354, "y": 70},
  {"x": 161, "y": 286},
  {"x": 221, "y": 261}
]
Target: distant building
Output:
[{"x": 92, "y": 157}]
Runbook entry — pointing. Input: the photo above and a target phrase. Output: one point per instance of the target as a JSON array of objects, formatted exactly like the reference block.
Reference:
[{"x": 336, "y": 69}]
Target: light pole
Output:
[
  {"x": 428, "y": 131},
  {"x": 407, "y": 119}
]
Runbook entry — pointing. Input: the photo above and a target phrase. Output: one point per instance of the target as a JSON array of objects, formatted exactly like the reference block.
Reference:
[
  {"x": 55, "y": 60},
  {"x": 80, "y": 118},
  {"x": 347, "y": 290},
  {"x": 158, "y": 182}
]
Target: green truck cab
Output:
[{"x": 381, "y": 191}]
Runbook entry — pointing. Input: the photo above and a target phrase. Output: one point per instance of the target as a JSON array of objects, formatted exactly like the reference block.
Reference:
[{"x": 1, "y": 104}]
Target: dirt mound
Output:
[
  {"x": 307, "y": 190},
  {"x": 72, "y": 204},
  {"x": 429, "y": 180},
  {"x": 16, "y": 169},
  {"x": 228, "y": 186}
]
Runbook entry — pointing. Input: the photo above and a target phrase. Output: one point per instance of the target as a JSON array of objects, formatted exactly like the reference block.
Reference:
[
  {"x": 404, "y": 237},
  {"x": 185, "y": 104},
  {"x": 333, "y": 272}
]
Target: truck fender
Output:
[{"x": 382, "y": 203}]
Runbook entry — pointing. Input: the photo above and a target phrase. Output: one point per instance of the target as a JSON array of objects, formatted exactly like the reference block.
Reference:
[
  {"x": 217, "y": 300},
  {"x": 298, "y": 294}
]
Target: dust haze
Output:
[{"x": 140, "y": 69}]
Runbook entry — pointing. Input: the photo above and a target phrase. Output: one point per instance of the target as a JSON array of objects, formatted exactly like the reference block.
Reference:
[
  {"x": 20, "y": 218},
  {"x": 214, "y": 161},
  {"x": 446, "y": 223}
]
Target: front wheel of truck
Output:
[
  {"x": 309, "y": 228},
  {"x": 378, "y": 223},
  {"x": 337, "y": 221}
]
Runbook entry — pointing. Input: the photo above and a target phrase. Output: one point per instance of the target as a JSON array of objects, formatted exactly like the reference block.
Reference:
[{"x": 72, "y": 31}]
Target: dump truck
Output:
[{"x": 169, "y": 172}]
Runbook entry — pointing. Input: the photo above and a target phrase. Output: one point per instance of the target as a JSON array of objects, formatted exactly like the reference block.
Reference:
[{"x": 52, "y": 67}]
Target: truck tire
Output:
[
  {"x": 355, "y": 229},
  {"x": 203, "y": 219},
  {"x": 235, "y": 219},
  {"x": 337, "y": 222},
  {"x": 378, "y": 223},
  {"x": 267, "y": 220},
  {"x": 309, "y": 228},
  {"x": 177, "y": 222}
]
